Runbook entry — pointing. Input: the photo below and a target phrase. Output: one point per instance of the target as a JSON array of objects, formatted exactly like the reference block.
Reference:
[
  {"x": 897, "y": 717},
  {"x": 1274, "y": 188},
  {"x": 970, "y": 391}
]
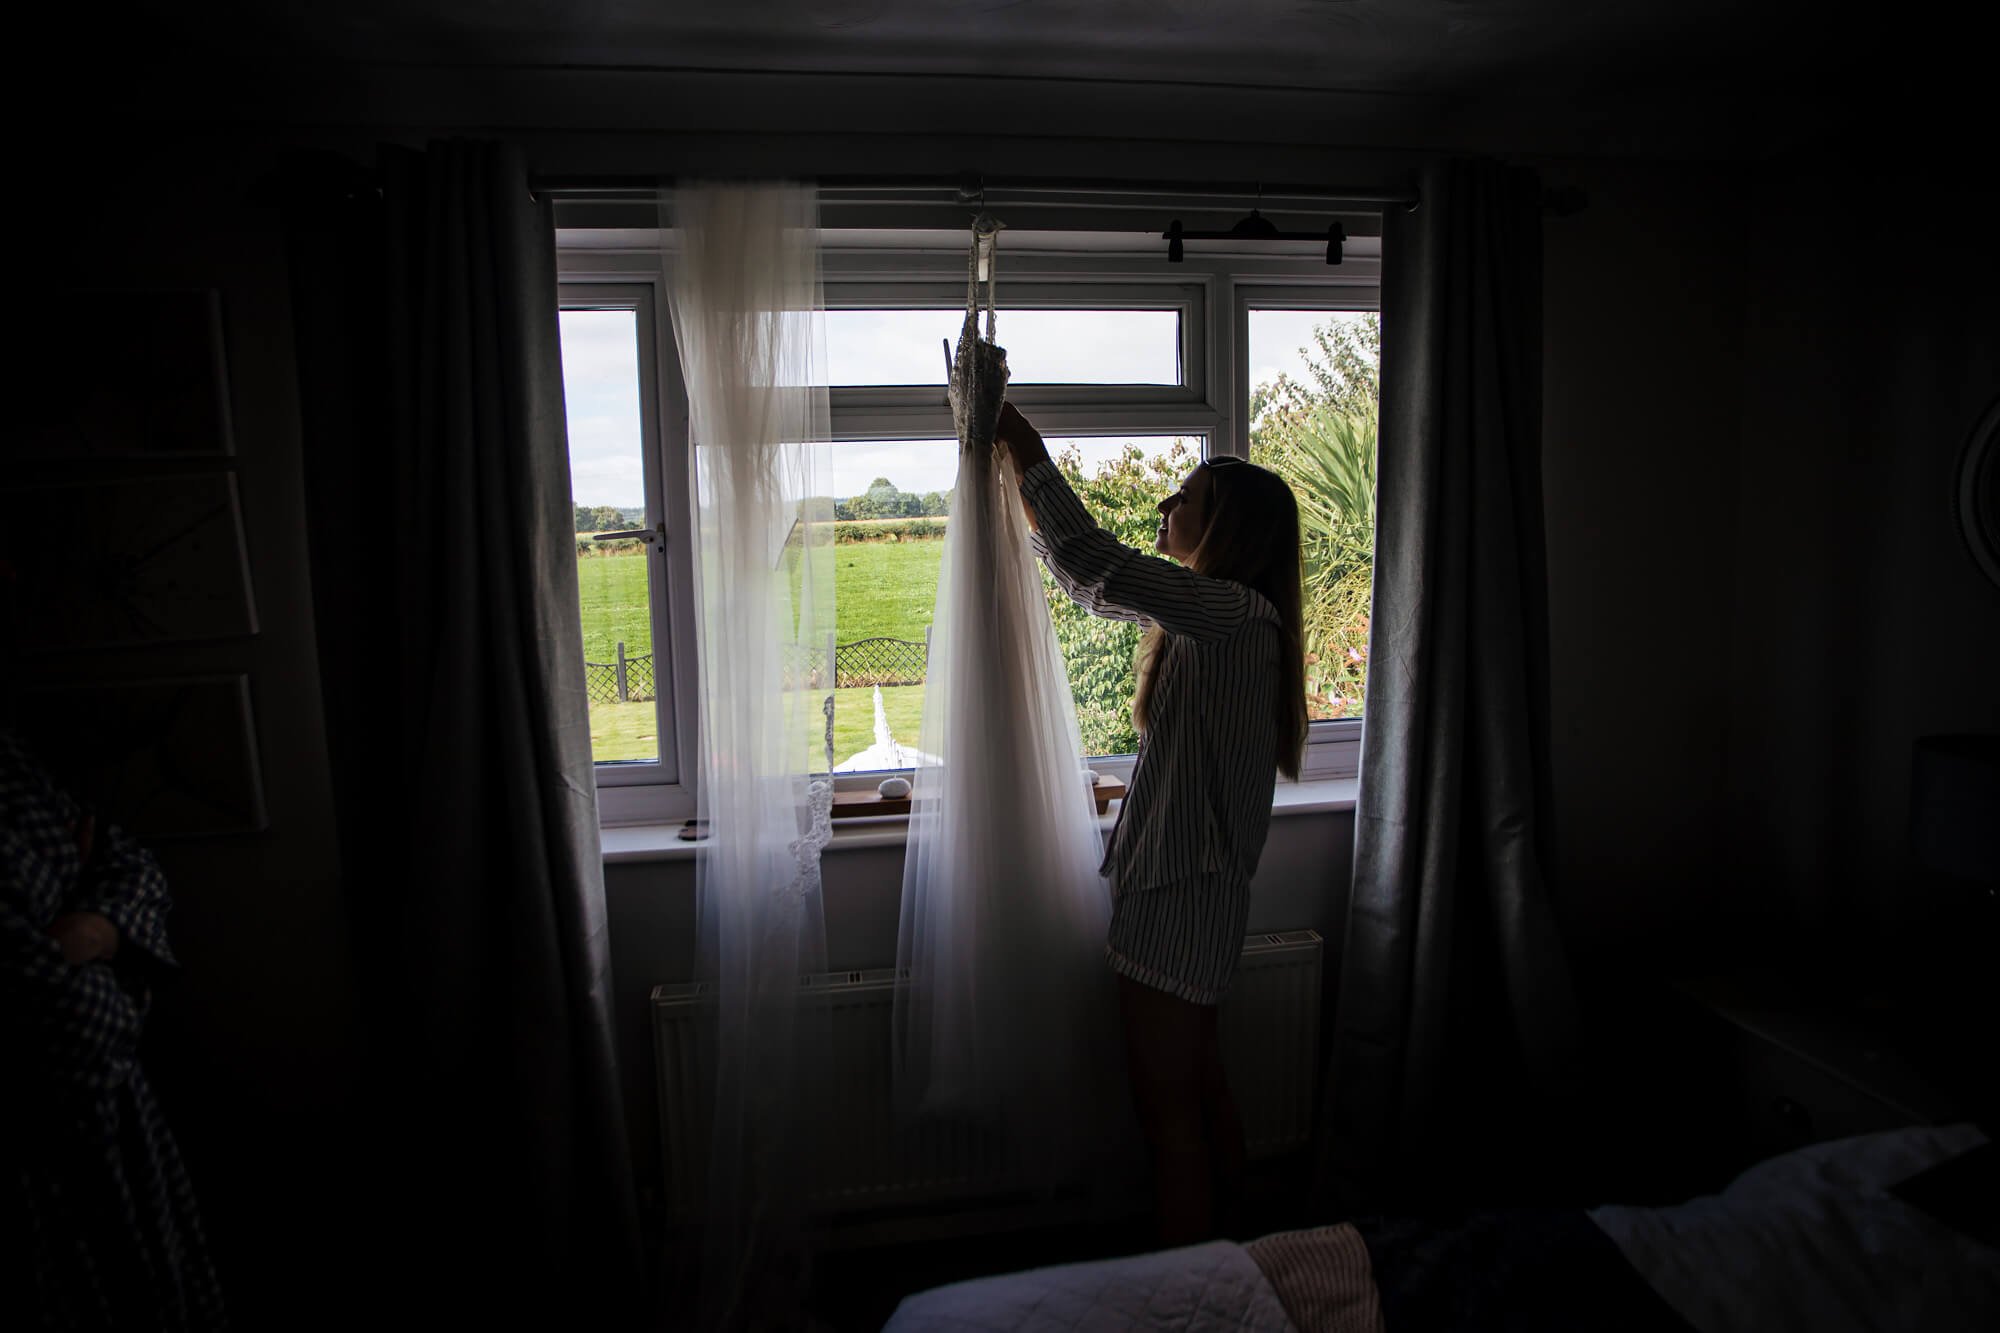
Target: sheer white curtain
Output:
[
  {"x": 748, "y": 314},
  {"x": 1007, "y": 1016}
]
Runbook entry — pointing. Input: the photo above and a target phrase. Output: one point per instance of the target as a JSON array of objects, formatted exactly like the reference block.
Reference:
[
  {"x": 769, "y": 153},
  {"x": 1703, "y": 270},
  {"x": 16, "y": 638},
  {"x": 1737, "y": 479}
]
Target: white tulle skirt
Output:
[{"x": 1009, "y": 1013}]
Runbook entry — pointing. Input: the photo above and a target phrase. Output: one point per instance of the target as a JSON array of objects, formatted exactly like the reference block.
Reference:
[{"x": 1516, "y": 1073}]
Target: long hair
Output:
[{"x": 1252, "y": 537}]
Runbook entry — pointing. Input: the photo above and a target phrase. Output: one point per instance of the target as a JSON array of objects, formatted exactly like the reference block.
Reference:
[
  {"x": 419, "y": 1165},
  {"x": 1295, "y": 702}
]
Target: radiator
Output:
[{"x": 1270, "y": 1041}]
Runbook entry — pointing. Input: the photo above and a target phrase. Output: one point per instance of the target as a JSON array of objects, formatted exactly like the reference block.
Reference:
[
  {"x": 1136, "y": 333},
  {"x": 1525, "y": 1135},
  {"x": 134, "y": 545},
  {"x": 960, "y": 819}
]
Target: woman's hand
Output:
[
  {"x": 85, "y": 937},
  {"x": 1022, "y": 441},
  {"x": 1024, "y": 448}
]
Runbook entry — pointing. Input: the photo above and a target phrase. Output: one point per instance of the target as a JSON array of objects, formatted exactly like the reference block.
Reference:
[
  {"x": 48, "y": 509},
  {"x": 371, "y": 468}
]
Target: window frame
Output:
[
  {"x": 662, "y": 789},
  {"x": 1333, "y": 746},
  {"x": 1214, "y": 295}
]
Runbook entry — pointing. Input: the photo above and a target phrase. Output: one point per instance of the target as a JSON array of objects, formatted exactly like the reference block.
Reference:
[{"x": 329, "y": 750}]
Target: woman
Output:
[
  {"x": 103, "y": 1217},
  {"x": 1220, "y": 706}
]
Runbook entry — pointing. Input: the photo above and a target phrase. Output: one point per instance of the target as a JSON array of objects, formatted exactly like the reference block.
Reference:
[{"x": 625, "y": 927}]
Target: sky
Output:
[{"x": 601, "y": 387}]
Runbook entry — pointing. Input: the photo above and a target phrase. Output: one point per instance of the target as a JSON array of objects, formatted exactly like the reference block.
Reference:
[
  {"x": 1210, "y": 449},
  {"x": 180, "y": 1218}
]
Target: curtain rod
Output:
[{"x": 971, "y": 189}]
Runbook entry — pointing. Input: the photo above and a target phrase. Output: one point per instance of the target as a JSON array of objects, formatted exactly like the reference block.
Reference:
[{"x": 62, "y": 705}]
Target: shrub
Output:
[
  {"x": 1321, "y": 438},
  {"x": 1099, "y": 653},
  {"x": 891, "y": 529}
]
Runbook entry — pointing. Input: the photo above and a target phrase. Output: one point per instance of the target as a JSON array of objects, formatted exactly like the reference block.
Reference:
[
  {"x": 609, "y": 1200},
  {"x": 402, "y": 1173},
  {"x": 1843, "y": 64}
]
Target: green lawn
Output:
[
  {"x": 885, "y": 589},
  {"x": 854, "y": 717},
  {"x": 627, "y": 731},
  {"x": 624, "y": 731},
  {"x": 613, "y": 591}
]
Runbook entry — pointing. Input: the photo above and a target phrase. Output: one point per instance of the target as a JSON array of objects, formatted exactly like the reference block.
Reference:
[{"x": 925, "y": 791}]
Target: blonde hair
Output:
[{"x": 1252, "y": 538}]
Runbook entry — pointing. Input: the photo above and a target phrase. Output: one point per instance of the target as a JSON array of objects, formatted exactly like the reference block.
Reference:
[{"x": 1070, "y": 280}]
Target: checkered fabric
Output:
[{"x": 100, "y": 1204}]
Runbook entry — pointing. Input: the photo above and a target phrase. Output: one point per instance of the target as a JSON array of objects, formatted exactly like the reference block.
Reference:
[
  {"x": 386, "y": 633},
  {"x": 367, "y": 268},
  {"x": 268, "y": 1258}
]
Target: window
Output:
[
  {"x": 1312, "y": 410},
  {"x": 892, "y": 502},
  {"x": 1067, "y": 346},
  {"x": 636, "y": 602},
  {"x": 1132, "y": 369},
  {"x": 607, "y": 462}
]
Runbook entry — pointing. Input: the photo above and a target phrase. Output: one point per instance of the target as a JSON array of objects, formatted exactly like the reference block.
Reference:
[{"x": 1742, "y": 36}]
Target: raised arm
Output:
[
  {"x": 121, "y": 881},
  {"x": 1108, "y": 578}
]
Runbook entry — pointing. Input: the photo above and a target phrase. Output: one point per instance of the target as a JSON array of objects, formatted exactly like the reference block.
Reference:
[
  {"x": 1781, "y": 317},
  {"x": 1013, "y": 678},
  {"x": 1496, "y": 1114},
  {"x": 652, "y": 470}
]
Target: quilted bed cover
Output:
[
  {"x": 1816, "y": 1239},
  {"x": 1212, "y": 1286}
]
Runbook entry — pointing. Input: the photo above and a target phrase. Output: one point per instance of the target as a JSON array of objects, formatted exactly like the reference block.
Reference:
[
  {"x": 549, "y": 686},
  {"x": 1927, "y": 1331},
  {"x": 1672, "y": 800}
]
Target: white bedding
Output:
[
  {"x": 1811, "y": 1240},
  {"x": 1814, "y": 1240},
  {"x": 1201, "y": 1287}
]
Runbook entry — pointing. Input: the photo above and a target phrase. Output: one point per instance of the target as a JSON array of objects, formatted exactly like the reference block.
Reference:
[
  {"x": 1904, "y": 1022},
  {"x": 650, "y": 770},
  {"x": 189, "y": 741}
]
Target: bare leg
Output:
[
  {"x": 1163, "y": 1046},
  {"x": 1223, "y": 1125}
]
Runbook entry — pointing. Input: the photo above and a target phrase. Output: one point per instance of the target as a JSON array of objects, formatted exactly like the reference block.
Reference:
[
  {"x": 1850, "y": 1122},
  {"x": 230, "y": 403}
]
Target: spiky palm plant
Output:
[{"x": 1328, "y": 457}]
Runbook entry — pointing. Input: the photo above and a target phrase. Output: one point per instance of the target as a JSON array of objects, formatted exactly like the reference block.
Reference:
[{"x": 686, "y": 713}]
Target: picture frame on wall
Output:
[
  {"x": 132, "y": 561},
  {"x": 123, "y": 373},
  {"x": 163, "y": 758}
]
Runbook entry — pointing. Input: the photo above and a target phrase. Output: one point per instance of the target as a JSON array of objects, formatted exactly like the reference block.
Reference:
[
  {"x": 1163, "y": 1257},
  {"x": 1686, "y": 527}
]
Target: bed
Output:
[{"x": 1889, "y": 1231}]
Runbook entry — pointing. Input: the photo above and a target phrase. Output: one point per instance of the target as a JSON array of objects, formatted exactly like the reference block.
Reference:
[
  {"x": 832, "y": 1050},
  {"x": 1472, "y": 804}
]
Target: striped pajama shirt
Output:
[{"x": 1192, "y": 826}]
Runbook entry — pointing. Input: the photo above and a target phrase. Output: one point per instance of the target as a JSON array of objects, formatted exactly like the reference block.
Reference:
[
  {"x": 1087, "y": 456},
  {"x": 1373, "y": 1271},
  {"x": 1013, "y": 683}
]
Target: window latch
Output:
[{"x": 656, "y": 533}]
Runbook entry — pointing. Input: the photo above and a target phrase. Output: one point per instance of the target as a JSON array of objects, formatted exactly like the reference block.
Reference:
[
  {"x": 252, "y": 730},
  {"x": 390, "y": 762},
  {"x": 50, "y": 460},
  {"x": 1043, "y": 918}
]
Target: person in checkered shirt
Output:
[{"x": 99, "y": 1211}]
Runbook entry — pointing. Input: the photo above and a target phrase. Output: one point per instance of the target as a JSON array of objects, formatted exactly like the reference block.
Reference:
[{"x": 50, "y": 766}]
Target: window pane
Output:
[
  {"x": 891, "y": 499},
  {"x": 906, "y": 347},
  {"x": 1121, "y": 482},
  {"x": 1312, "y": 408},
  {"x": 600, "y": 352}
]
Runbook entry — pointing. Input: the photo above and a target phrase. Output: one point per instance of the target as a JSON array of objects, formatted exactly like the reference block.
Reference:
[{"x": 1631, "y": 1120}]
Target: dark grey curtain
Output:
[
  {"x": 445, "y": 601},
  {"x": 1454, "y": 999}
]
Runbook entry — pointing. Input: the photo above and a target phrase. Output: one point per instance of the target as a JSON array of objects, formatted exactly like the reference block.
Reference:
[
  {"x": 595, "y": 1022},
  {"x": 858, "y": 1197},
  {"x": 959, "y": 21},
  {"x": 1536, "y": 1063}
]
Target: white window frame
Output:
[
  {"x": 662, "y": 789},
  {"x": 1333, "y": 748},
  {"x": 1213, "y": 293}
]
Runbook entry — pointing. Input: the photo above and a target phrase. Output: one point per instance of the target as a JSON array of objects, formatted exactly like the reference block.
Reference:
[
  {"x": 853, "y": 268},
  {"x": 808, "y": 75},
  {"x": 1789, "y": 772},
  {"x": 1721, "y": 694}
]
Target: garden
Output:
[{"x": 1319, "y": 434}]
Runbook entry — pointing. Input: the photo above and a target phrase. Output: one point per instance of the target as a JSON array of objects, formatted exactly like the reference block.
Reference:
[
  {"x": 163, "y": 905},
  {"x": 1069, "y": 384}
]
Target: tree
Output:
[
  {"x": 937, "y": 504},
  {"x": 1318, "y": 433},
  {"x": 880, "y": 500},
  {"x": 1343, "y": 373},
  {"x": 1320, "y": 436},
  {"x": 600, "y": 518},
  {"x": 1099, "y": 653}
]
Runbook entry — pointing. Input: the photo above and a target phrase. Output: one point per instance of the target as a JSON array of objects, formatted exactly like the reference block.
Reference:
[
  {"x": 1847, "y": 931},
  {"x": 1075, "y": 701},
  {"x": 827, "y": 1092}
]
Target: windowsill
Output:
[{"x": 662, "y": 842}]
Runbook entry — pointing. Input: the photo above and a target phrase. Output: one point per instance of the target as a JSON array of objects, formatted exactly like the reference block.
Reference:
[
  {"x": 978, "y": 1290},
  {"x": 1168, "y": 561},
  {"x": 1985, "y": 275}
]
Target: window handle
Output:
[{"x": 656, "y": 533}]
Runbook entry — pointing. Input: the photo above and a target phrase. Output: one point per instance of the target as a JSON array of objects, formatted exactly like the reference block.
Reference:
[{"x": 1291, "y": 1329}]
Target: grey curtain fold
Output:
[
  {"x": 445, "y": 598},
  {"x": 1453, "y": 994}
]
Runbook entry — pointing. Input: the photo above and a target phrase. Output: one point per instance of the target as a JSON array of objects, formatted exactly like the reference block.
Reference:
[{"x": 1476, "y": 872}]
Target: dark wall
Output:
[
  {"x": 1642, "y": 392},
  {"x": 253, "y": 1048},
  {"x": 1860, "y": 621}
]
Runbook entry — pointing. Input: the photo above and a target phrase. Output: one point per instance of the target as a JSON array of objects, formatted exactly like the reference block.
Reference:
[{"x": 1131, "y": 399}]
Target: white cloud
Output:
[
  {"x": 608, "y": 481},
  {"x": 601, "y": 395},
  {"x": 1278, "y": 339},
  {"x": 1043, "y": 346},
  {"x": 914, "y": 465},
  {"x": 599, "y": 347}
]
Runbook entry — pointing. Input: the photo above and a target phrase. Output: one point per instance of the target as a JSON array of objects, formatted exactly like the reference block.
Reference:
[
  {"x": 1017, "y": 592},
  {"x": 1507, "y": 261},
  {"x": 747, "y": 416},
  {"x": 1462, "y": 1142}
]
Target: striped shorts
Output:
[{"x": 1183, "y": 939}]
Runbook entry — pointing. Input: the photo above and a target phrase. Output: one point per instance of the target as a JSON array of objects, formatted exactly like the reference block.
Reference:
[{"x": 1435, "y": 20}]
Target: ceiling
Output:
[
  {"x": 1412, "y": 46},
  {"x": 1652, "y": 57}
]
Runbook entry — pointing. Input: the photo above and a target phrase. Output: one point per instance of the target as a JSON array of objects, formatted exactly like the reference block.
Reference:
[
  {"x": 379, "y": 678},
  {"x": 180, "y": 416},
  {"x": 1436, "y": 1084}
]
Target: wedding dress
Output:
[{"x": 1008, "y": 1014}]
